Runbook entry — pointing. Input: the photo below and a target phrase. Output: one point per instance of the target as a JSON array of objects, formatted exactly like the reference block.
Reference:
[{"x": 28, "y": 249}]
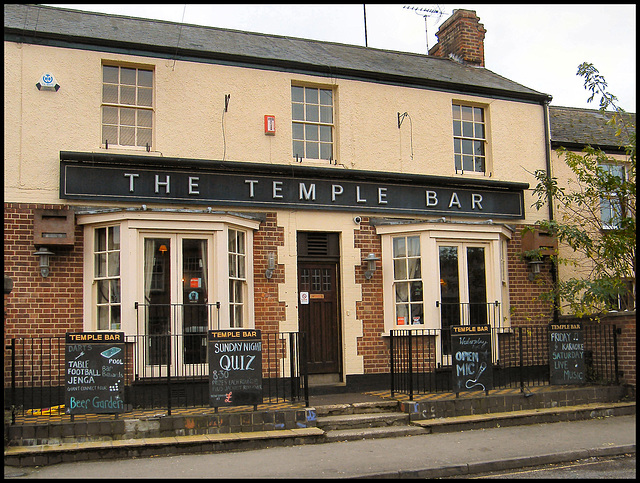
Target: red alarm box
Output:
[{"x": 269, "y": 124}]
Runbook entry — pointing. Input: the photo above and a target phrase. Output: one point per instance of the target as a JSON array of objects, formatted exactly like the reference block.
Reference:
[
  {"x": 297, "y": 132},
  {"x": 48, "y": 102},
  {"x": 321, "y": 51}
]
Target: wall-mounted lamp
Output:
[
  {"x": 271, "y": 265},
  {"x": 534, "y": 265},
  {"x": 44, "y": 255},
  {"x": 371, "y": 265}
]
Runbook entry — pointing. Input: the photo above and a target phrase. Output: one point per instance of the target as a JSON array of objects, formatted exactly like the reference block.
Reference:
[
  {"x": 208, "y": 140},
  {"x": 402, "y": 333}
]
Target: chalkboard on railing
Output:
[
  {"x": 235, "y": 367},
  {"x": 566, "y": 353},
  {"x": 471, "y": 358},
  {"x": 94, "y": 372}
]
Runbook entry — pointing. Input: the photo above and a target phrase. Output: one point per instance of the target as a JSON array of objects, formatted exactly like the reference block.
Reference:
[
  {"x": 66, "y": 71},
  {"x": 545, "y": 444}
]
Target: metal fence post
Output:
[
  {"x": 13, "y": 381},
  {"x": 391, "y": 363},
  {"x": 615, "y": 353},
  {"x": 169, "y": 374},
  {"x": 410, "y": 368},
  {"x": 521, "y": 360}
]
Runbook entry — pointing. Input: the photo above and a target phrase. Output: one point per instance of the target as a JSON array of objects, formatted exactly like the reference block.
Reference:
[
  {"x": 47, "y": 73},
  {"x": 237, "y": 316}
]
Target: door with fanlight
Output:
[
  {"x": 463, "y": 287},
  {"x": 176, "y": 313}
]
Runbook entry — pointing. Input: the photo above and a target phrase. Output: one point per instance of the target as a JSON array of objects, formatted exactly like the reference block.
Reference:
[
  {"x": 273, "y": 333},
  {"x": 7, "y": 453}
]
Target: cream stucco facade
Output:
[{"x": 190, "y": 122}]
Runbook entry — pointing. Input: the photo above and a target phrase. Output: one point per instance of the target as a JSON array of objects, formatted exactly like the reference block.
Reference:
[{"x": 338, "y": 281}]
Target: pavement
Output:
[{"x": 422, "y": 456}]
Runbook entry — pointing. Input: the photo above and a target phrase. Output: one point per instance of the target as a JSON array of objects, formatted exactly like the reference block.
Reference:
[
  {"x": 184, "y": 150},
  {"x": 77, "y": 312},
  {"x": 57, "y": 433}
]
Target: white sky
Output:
[{"x": 538, "y": 46}]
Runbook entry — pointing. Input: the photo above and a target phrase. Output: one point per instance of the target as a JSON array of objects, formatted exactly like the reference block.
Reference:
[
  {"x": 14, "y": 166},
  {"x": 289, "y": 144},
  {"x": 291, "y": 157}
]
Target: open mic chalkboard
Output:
[
  {"x": 235, "y": 367},
  {"x": 94, "y": 372},
  {"x": 471, "y": 358},
  {"x": 566, "y": 353}
]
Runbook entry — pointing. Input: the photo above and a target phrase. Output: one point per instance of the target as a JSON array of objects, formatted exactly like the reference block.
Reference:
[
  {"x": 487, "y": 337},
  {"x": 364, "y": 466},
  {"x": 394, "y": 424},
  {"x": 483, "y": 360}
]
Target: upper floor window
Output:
[
  {"x": 312, "y": 129},
  {"x": 469, "y": 139},
  {"x": 127, "y": 106},
  {"x": 610, "y": 206}
]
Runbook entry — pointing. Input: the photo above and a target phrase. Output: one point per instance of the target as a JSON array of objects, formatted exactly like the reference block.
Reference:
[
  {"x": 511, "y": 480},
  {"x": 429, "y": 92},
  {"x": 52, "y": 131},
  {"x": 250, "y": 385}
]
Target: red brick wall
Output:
[
  {"x": 269, "y": 311},
  {"x": 37, "y": 306},
  {"x": 524, "y": 295},
  {"x": 625, "y": 322},
  {"x": 370, "y": 310}
]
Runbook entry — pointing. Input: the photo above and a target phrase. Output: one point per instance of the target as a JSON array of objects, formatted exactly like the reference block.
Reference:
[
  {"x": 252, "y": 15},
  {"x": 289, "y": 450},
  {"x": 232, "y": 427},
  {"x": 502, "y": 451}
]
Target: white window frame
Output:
[
  {"x": 473, "y": 138},
  {"x": 432, "y": 235},
  {"x": 237, "y": 278},
  {"x": 321, "y": 124},
  {"x": 134, "y": 225},
  {"x": 119, "y": 106},
  {"x": 113, "y": 297},
  {"x": 610, "y": 201}
]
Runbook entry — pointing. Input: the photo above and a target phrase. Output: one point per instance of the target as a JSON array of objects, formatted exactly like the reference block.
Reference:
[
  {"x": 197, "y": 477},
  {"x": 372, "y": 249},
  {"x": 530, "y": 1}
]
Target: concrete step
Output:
[
  {"x": 372, "y": 433},
  {"x": 528, "y": 416},
  {"x": 359, "y": 421},
  {"x": 357, "y": 408}
]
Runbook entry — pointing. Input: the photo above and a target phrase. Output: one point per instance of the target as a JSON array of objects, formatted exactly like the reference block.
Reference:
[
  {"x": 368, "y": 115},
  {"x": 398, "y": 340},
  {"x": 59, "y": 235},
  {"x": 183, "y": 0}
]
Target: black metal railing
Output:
[
  {"x": 520, "y": 357},
  {"x": 35, "y": 372}
]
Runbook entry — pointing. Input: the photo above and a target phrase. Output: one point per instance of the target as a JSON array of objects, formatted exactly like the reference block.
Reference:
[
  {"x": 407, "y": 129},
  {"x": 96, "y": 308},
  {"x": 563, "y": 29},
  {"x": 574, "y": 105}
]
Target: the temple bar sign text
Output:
[{"x": 137, "y": 184}]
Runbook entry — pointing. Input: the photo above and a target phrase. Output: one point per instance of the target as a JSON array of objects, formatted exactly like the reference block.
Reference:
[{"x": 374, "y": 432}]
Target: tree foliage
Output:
[{"x": 610, "y": 252}]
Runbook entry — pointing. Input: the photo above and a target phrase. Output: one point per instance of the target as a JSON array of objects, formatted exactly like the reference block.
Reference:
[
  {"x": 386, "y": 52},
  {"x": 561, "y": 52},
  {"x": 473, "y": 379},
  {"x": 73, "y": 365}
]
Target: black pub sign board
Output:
[
  {"x": 94, "y": 372},
  {"x": 566, "y": 353},
  {"x": 248, "y": 185},
  {"x": 235, "y": 367},
  {"x": 471, "y": 358}
]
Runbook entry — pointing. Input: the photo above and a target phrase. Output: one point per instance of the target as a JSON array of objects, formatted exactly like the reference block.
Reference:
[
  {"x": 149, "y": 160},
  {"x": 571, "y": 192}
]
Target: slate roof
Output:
[
  {"x": 572, "y": 127},
  {"x": 72, "y": 28}
]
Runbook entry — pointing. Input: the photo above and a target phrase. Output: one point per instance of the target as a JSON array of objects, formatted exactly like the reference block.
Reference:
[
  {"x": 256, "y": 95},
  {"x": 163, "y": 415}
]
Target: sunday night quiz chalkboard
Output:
[
  {"x": 566, "y": 353},
  {"x": 471, "y": 358},
  {"x": 235, "y": 367},
  {"x": 94, "y": 372}
]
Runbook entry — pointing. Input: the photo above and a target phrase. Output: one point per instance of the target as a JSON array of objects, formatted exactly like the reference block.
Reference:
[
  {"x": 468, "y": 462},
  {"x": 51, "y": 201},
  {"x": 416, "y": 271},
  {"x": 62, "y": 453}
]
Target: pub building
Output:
[{"x": 170, "y": 178}]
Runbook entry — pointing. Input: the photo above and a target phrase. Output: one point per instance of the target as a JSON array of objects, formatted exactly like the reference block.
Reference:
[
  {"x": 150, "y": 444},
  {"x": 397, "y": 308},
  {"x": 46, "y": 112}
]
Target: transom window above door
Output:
[{"x": 313, "y": 122}]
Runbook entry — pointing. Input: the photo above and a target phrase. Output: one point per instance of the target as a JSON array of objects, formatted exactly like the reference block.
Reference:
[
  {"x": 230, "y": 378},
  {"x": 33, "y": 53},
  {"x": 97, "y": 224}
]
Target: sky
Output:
[{"x": 539, "y": 46}]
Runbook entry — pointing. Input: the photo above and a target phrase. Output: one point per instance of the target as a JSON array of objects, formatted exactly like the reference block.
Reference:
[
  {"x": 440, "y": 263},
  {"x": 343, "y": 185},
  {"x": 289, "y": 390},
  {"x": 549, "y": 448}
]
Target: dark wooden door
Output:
[{"x": 318, "y": 313}]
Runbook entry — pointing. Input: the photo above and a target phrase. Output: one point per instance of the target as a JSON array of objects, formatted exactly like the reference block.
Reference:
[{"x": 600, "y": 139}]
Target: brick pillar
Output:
[{"x": 463, "y": 36}]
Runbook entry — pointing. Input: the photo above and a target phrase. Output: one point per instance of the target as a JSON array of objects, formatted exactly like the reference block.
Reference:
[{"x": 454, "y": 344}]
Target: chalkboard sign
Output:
[
  {"x": 471, "y": 358},
  {"x": 235, "y": 367},
  {"x": 566, "y": 353},
  {"x": 94, "y": 372}
]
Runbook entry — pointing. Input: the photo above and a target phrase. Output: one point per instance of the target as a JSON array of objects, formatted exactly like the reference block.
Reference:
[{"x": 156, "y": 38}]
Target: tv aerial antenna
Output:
[{"x": 425, "y": 13}]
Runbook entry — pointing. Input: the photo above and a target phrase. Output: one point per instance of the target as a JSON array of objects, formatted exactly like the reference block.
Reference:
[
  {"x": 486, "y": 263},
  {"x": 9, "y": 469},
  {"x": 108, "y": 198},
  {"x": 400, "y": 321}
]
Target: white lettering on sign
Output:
[
  {"x": 455, "y": 200},
  {"x": 307, "y": 194},
  {"x": 251, "y": 182},
  {"x": 432, "y": 198},
  {"x": 193, "y": 186},
  {"x": 131, "y": 177},
  {"x": 476, "y": 199},
  {"x": 359, "y": 199},
  {"x": 165, "y": 183},
  {"x": 277, "y": 189},
  {"x": 382, "y": 196},
  {"x": 336, "y": 190}
]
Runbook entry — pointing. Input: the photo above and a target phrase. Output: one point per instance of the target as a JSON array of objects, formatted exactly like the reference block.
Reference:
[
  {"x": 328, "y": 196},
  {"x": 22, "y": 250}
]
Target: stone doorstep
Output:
[
  {"x": 355, "y": 408},
  {"x": 372, "y": 433},
  {"x": 522, "y": 414},
  {"x": 171, "y": 440},
  {"x": 353, "y": 421}
]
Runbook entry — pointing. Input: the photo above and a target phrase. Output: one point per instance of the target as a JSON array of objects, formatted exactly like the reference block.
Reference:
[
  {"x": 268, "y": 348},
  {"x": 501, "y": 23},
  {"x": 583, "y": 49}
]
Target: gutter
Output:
[{"x": 547, "y": 149}]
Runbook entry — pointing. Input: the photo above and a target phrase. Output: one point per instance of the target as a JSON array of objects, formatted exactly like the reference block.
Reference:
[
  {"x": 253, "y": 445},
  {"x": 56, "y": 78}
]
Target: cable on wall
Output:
[
  {"x": 227, "y": 98},
  {"x": 179, "y": 35},
  {"x": 400, "y": 120}
]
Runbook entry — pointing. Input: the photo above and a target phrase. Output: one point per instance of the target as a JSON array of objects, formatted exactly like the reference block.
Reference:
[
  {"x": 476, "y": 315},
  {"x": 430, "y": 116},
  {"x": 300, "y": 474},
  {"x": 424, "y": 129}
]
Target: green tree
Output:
[{"x": 610, "y": 250}]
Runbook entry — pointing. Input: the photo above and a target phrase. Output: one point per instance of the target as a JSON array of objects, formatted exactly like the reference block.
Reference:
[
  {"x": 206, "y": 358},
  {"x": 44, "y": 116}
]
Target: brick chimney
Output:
[{"x": 462, "y": 35}]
